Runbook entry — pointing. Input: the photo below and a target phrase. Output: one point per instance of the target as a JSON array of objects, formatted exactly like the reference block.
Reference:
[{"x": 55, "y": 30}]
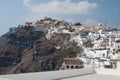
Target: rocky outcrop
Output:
[
  {"x": 28, "y": 50},
  {"x": 2, "y": 41}
]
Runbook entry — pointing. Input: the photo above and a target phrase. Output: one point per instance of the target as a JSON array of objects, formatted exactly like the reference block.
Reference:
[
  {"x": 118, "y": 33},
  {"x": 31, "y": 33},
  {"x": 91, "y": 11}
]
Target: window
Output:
[
  {"x": 72, "y": 67},
  {"x": 103, "y": 55},
  {"x": 67, "y": 67}
]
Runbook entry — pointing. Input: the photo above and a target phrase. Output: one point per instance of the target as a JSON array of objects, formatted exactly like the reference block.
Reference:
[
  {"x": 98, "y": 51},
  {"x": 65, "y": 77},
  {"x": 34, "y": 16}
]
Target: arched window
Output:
[
  {"x": 67, "y": 67},
  {"x": 72, "y": 67}
]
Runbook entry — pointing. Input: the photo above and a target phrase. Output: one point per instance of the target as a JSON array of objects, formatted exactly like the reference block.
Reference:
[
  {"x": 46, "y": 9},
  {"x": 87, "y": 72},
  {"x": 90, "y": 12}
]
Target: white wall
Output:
[{"x": 117, "y": 46}]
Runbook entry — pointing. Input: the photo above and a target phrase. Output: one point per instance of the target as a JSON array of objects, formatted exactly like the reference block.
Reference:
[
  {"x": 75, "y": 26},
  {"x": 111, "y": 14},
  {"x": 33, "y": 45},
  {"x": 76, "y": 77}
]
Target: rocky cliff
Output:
[{"x": 27, "y": 49}]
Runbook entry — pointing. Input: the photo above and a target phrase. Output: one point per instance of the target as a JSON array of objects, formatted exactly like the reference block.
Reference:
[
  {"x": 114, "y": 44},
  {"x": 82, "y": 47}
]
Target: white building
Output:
[{"x": 116, "y": 45}]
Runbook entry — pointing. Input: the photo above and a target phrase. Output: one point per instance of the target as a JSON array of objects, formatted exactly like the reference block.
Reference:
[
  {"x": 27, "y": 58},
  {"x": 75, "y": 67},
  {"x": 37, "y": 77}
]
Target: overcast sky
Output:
[{"x": 14, "y": 12}]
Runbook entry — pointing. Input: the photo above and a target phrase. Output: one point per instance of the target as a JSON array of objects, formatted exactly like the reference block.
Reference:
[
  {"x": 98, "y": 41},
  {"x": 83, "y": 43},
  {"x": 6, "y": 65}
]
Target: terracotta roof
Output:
[{"x": 72, "y": 61}]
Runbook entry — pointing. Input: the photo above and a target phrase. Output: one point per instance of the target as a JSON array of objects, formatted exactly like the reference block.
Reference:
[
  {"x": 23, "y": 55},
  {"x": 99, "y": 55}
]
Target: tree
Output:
[{"x": 78, "y": 24}]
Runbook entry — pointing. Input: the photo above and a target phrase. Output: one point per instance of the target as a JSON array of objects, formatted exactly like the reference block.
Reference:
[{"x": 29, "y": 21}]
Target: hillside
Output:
[{"x": 28, "y": 50}]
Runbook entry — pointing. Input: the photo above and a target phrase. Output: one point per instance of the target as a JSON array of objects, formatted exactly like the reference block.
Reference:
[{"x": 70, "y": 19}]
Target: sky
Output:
[{"x": 14, "y": 12}]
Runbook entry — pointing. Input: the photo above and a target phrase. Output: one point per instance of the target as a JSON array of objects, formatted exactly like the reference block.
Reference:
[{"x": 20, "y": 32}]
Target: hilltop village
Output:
[{"x": 50, "y": 44}]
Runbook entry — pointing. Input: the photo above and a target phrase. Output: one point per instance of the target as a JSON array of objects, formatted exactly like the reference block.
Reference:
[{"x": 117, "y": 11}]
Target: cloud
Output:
[
  {"x": 90, "y": 22},
  {"x": 26, "y": 2},
  {"x": 60, "y": 7}
]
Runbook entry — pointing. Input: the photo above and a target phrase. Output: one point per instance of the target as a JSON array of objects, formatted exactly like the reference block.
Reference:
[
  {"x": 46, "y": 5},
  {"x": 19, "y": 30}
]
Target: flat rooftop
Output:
[
  {"x": 95, "y": 77},
  {"x": 75, "y": 74}
]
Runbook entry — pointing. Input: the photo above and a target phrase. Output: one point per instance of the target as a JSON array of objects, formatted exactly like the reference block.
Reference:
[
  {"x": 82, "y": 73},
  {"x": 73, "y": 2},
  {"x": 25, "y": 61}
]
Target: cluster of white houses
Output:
[
  {"x": 105, "y": 52},
  {"x": 106, "y": 43}
]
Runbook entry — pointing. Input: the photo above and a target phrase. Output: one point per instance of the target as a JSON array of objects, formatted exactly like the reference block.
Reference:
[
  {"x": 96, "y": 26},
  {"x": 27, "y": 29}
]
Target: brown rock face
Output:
[{"x": 28, "y": 50}]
